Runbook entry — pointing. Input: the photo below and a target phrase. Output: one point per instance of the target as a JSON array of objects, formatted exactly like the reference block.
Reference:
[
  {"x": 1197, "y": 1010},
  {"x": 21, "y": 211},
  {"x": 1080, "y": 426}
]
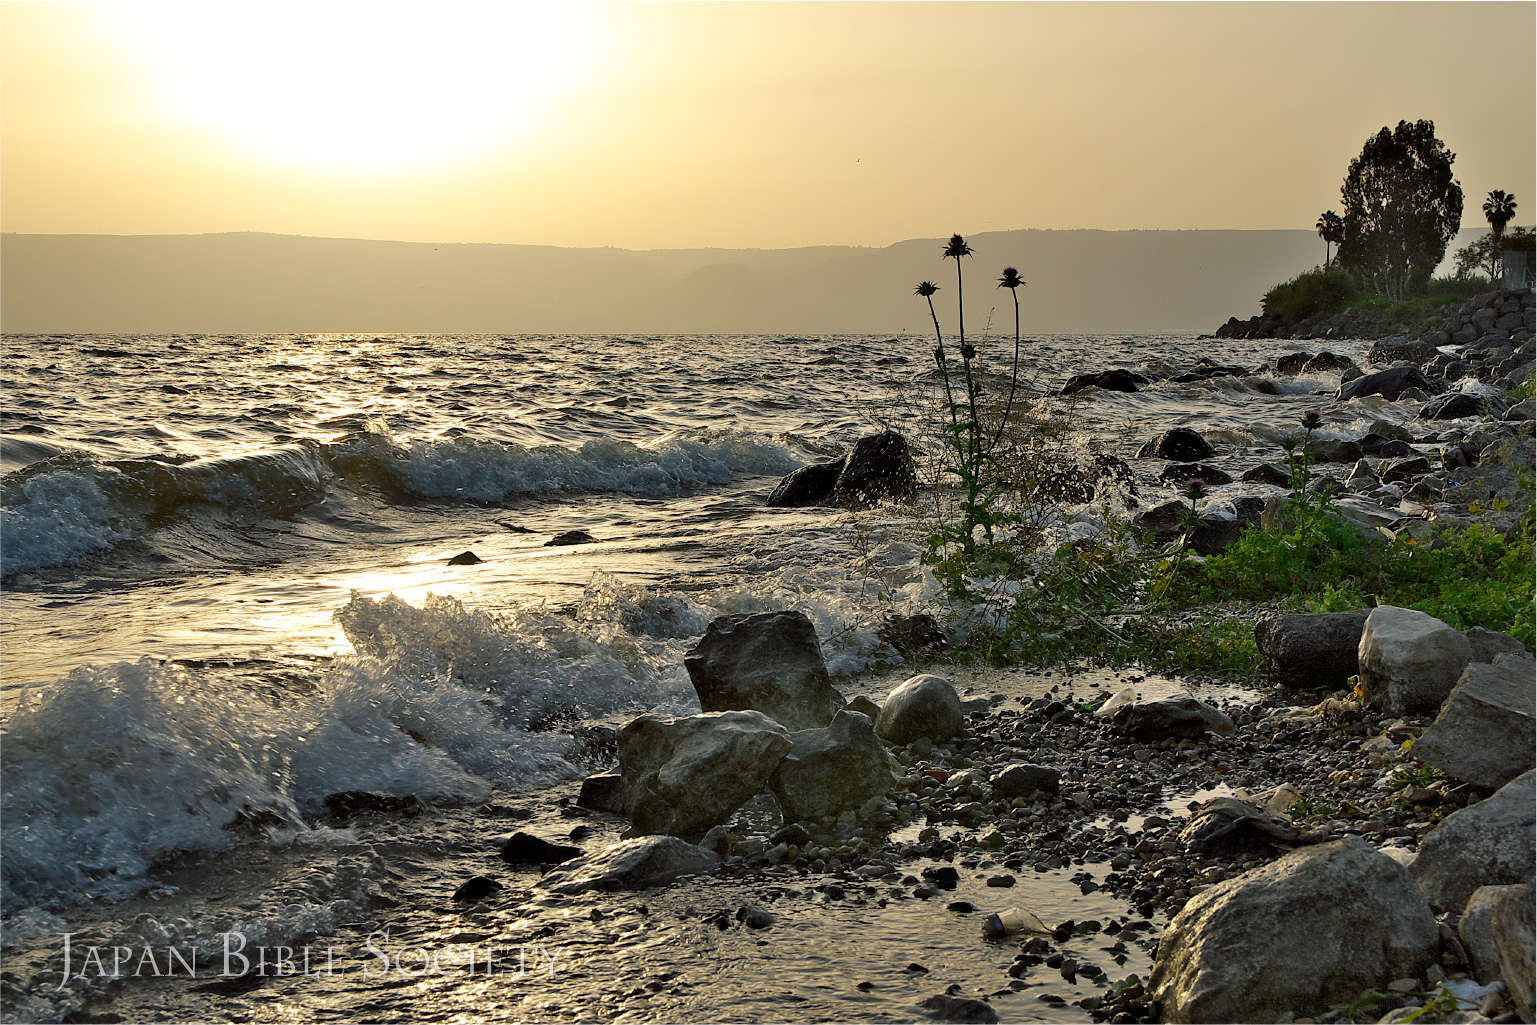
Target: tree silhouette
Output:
[
  {"x": 1331, "y": 228},
  {"x": 1402, "y": 206},
  {"x": 1499, "y": 210}
]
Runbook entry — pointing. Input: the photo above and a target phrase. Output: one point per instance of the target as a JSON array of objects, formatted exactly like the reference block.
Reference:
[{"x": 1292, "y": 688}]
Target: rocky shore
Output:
[{"x": 1504, "y": 314}]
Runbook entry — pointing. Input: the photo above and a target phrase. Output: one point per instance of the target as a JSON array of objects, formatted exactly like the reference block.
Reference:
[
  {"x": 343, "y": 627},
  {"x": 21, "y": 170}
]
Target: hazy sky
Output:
[{"x": 736, "y": 124}]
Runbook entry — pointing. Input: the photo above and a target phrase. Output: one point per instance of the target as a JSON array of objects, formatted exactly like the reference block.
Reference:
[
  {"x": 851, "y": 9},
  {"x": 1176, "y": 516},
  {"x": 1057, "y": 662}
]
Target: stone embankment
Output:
[{"x": 1506, "y": 314}]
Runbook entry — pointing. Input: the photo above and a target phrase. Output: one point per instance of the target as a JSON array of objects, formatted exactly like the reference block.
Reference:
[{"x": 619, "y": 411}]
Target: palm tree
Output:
[
  {"x": 1499, "y": 210},
  {"x": 1331, "y": 228},
  {"x": 1011, "y": 280}
]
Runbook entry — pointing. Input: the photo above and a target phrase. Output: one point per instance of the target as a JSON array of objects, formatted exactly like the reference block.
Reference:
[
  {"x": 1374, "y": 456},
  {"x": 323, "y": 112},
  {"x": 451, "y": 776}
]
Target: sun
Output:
[{"x": 352, "y": 88}]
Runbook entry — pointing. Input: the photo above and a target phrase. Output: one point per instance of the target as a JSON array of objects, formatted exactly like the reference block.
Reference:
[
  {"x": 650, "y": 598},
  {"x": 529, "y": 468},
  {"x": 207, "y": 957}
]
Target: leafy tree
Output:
[
  {"x": 1483, "y": 254},
  {"x": 1402, "y": 206},
  {"x": 1331, "y": 228},
  {"x": 1499, "y": 210}
]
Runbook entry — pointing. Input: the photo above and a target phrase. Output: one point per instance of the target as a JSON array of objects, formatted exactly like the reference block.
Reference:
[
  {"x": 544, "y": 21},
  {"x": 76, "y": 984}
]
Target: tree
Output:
[
  {"x": 1499, "y": 210},
  {"x": 1402, "y": 206},
  {"x": 1331, "y": 228},
  {"x": 1483, "y": 253}
]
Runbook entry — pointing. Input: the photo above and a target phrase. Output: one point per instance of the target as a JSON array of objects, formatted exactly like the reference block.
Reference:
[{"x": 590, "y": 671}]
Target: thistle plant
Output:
[{"x": 1194, "y": 490}]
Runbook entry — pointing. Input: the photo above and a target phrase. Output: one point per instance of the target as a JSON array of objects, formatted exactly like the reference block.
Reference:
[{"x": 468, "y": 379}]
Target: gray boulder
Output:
[
  {"x": 1334, "y": 450},
  {"x": 1390, "y": 384},
  {"x": 1309, "y": 930},
  {"x": 1486, "y": 644},
  {"x": 1181, "y": 716},
  {"x": 769, "y": 661},
  {"x": 832, "y": 770},
  {"x": 631, "y": 865},
  {"x": 1512, "y": 927},
  {"x": 682, "y": 776},
  {"x": 1485, "y": 734},
  {"x": 1023, "y": 779},
  {"x": 1312, "y": 651},
  {"x": 1409, "y": 662},
  {"x": 1476, "y": 930},
  {"x": 924, "y": 706},
  {"x": 1490, "y": 843}
]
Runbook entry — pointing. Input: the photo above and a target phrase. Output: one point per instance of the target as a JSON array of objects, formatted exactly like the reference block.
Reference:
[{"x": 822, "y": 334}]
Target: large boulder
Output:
[
  {"x": 1110, "y": 380},
  {"x": 1312, "y": 929},
  {"x": 1312, "y": 651},
  {"x": 768, "y": 661},
  {"x": 1485, "y": 734},
  {"x": 1459, "y": 404},
  {"x": 832, "y": 770},
  {"x": 1390, "y": 384},
  {"x": 880, "y": 468},
  {"x": 1512, "y": 927},
  {"x": 1334, "y": 450},
  {"x": 1488, "y": 844},
  {"x": 1476, "y": 929},
  {"x": 1487, "y": 645},
  {"x": 682, "y": 776},
  {"x": 924, "y": 706},
  {"x": 636, "y": 864},
  {"x": 1182, "y": 445},
  {"x": 1180, "y": 716},
  {"x": 1409, "y": 661},
  {"x": 808, "y": 486}
]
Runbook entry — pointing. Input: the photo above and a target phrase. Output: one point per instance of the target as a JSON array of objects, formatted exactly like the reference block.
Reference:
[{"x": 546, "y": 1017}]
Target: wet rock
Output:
[
  {"x": 1485, "y": 734},
  {"x": 1396, "y": 471},
  {"x": 809, "y": 486},
  {"x": 912, "y": 636},
  {"x": 1512, "y": 927},
  {"x": 631, "y": 865},
  {"x": 1380, "y": 447},
  {"x": 1110, "y": 380},
  {"x": 349, "y": 804},
  {"x": 1390, "y": 384},
  {"x": 1312, "y": 929},
  {"x": 880, "y": 468},
  {"x": 1312, "y": 651},
  {"x": 603, "y": 791},
  {"x": 682, "y": 776},
  {"x": 1490, "y": 843},
  {"x": 1024, "y": 779},
  {"x": 571, "y": 537},
  {"x": 476, "y": 888},
  {"x": 1181, "y": 445},
  {"x": 770, "y": 662},
  {"x": 1181, "y": 716},
  {"x": 832, "y": 770},
  {"x": 527, "y": 849},
  {"x": 1268, "y": 473},
  {"x": 1183, "y": 472},
  {"x": 1330, "y": 363},
  {"x": 1476, "y": 929},
  {"x": 755, "y": 917},
  {"x": 942, "y": 1007},
  {"x": 923, "y": 706},
  {"x": 1409, "y": 661},
  {"x": 466, "y": 559},
  {"x": 1334, "y": 450},
  {"x": 1475, "y": 401}
]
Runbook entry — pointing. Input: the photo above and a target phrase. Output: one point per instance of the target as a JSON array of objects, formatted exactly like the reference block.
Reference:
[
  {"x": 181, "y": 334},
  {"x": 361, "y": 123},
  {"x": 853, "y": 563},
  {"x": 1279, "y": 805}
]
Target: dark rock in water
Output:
[
  {"x": 1378, "y": 447},
  {"x": 769, "y": 661},
  {"x": 1268, "y": 473},
  {"x": 466, "y": 559},
  {"x": 1455, "y": 405},
  {"x": 1110, "y": 380},
  {"x": 528, "y": 849},
  {"x": 912, "y": 636},
  {"x": 1402, "y": 469},
  {"x": 636, "y": 864},
  {"x": 1329, "y": 363},
  {"x": 1390, "y": 384},
  {"x": 1181, "y": 716},
  {"x": 1334, "y": 450},
  {"x": 571, "y": 537},
  {"x": 1207, "y": 373},
  {"x": 941, "y": 1007},
  {"x": 755, "y": 917},
  {"x": 879, "y": 468},
  {"x": 1312, "y": 651},
  {"x": 1180, "y": 445},
  {"x": 1182, "y": 472},
  {"x": 1079, "y": 483},
  {"x": 946, "y": 877},
  {"x": 351, "y": 803},
  {"x": 1263, "y": 385},
  {"x": 1292, "y": 363},
  {"x": 476, "y": 888},
  {"x": 171, "y": 389},
  {"x": 603, "y": 792},
  {"x": 809, "y": 486}
]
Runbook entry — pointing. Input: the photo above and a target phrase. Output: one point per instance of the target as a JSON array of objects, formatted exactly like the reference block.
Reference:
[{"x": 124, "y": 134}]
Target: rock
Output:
[
  {"x": 1489, "y": 843},
  {"x": 880, "y": 468},
  {"x": 1268, "y": 473},
  {"x": 808, "y": 486},
  {"x": 1391, "y": 350},
  {"x": 1486, "y": 644},
  {"x": 1312, "y": 651},
  {"x": 1456, "y": 405},
  {"x": 1485, "y": 734},
  {"x": 1181, "y": 716},
  {"x": 349, "y": 804},
  {"x": 923, "y": 706},
  {"x": 941, "y": 1007},
  {"x": 682, "y": 776},
  {"x": 631, "y": 865},
  {"x": 1181, "y": 445},
  {"x": 466, "y": 559},
  {"x": 571, "y": 537},
  {"x": 527, "y": 849},
  {"x": 1330, "y": 363},
  {"x": 1180, "y": 473},
  {"x": 832, "y": 770},
  {"x": 1311, "y": 929},
  {"x": 912, "y": 636},
  {"x": 1334, "y": 450},
  {"x": 1390, "y": 384},
  {"x": 1292, "y": 363},
  {"x": 1228, "y": 829},
  {"x": 755, "y": 917},
  {"x": 1512, "y": 927},
  {"x": 769, "y": 661},
  {"x": 1379, "y": 447},
  {"x": 1165, "y": 522},
  {"x": 1409, "y": 662},
  {"x": 1476, "y": 929},
  {"x": 1396, "y": 471},
  {"x": 1023, "y": 779},
  {"x": 1110, "y": 380},
  {"x": 603, "y": 792},
  {"x": 476, "y": 888},
  {"x": 1526, "y": 409},
  {"x": 864, "y": 706}
]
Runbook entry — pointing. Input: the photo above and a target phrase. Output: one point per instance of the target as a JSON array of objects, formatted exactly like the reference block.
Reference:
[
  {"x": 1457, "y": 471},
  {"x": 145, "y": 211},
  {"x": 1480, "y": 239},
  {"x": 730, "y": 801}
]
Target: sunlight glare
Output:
[{"x": 351, "y": 88}]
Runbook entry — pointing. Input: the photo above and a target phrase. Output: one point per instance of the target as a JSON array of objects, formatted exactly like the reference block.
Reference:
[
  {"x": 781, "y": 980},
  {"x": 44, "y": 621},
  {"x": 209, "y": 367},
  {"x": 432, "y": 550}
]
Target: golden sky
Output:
[{"x": 768, "y": 125}]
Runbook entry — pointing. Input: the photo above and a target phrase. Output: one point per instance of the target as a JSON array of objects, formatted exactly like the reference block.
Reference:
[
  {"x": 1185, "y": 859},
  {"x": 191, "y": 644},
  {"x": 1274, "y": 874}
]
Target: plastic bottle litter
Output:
[{"x": 1014, "y": 920}]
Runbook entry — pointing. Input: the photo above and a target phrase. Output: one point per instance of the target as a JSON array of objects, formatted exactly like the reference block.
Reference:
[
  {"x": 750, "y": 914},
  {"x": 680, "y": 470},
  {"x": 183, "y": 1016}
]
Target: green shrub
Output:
[{"x": 1308, "y": 294}]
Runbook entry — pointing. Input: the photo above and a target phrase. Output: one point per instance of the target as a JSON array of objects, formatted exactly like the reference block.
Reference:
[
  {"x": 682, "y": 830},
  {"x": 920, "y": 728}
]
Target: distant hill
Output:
[{"x": 1100, "y": 282}]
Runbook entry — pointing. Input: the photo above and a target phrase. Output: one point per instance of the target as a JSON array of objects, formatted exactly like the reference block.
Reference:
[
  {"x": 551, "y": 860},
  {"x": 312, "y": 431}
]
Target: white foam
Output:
[{"x": 61, "y": 518}]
